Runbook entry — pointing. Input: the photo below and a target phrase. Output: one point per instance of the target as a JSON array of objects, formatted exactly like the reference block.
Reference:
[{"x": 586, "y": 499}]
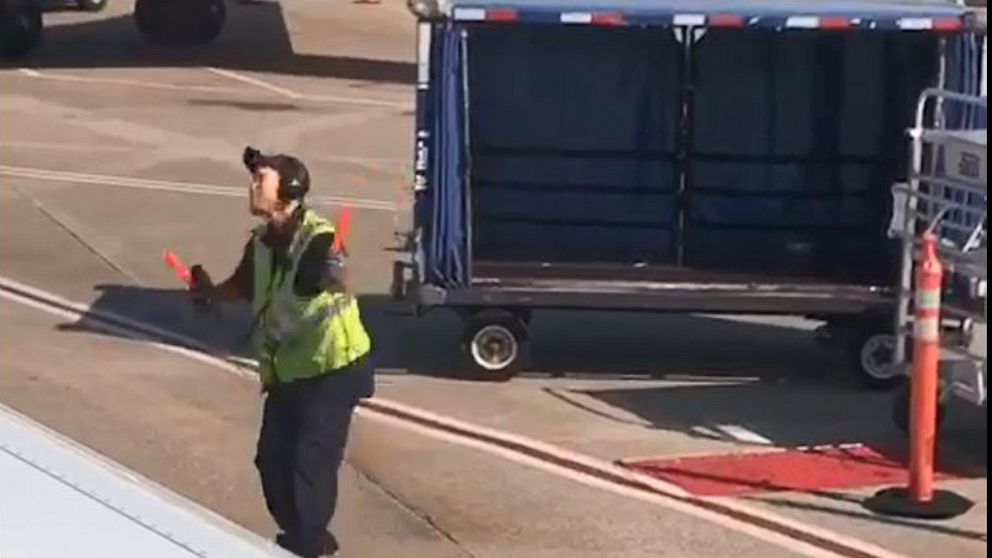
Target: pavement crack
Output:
[
  {"x": 76, "y": 236},
  {"x": 413, "y": 510}
]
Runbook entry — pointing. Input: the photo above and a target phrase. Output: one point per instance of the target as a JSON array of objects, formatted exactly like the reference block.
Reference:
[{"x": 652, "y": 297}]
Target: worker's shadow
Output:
[
  {"x": 255, "y": 39},
  {"x": 167, "y": 316}
]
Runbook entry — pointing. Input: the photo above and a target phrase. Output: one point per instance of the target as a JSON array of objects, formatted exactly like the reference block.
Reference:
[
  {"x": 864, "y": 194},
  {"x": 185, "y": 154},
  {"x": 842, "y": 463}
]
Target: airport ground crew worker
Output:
[{"x": 312, "y": 348}]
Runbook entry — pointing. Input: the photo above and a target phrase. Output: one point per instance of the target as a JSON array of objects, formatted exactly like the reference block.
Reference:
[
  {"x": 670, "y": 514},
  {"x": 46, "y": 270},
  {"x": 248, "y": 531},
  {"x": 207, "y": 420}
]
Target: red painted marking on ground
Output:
[{"x": 806, "y": 470}]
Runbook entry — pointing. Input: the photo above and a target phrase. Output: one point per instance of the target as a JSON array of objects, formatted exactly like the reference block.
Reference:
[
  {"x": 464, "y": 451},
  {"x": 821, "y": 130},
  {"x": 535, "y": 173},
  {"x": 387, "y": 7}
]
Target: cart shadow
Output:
[
  {"x": 608, "y": 346},
  {"x": 597, "y": 345},
  {"x": 782, "y": 414},
  {"x": 594, "y": 345},
  {"x": 256, "y": 38}
]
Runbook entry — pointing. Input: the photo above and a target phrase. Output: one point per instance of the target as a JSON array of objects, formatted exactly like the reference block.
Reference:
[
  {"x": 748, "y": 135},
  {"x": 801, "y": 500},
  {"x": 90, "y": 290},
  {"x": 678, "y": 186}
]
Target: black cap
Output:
[{"x": 294, "y": 178}]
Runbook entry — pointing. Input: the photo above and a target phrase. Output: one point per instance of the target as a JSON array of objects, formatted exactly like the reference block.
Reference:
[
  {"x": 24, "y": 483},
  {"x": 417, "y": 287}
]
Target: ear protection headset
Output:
[{"x": 294, "y": 178}]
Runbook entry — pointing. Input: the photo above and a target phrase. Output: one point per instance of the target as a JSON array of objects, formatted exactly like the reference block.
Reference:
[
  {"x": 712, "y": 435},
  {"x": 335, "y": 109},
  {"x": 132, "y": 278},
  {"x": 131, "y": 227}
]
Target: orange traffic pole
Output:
[
  {"x": 920, "y": 499},
  {"x": 926, "y": 354}
]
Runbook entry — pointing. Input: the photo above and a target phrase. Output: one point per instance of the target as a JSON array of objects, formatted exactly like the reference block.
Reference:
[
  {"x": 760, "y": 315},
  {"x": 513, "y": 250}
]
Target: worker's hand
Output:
[
  {"x": 201, "y": 289},
  {"x": 335, "y": 272}
]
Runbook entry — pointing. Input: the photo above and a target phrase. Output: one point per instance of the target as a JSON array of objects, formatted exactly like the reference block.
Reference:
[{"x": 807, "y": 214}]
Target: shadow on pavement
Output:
[
  {"x": 852, "y": 509},
  {"x": 789, "y": 414},
  {"x": 255, "y": 39},
  {"x": 790, "y": 395},
  {"x": 599, "y": 345},
  {"x": 170, "y": 309}
]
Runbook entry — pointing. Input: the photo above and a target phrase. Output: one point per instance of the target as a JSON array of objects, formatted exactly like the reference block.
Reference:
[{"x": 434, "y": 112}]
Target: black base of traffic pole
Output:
[{"x": 897, "y": 501}]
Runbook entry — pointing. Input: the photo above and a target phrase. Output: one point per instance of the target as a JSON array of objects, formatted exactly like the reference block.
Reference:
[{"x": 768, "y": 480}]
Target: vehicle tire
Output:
[
  {"x": 901, "y": 406},
  {"x": 495, "y": 347},
  {"x": 20, "y": 28},
  {"x": 870, "y": 350},
  {"x": 92, "y": 5},
  {"x": 180, "y": 23}
]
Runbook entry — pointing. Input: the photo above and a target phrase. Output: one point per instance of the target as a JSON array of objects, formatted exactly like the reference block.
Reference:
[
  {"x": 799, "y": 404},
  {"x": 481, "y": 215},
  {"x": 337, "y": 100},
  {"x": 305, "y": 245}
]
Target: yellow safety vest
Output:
[{"x": 301, "y": 337}]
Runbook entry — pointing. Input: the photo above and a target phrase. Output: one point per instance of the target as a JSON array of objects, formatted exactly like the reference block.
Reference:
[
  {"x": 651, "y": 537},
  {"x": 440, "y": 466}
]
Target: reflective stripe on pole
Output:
[{"x": 926, "y": 354}]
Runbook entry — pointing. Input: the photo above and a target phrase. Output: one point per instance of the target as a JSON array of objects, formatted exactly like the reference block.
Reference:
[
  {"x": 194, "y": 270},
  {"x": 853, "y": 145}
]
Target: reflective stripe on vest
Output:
[{"x": 301, "y": 337}]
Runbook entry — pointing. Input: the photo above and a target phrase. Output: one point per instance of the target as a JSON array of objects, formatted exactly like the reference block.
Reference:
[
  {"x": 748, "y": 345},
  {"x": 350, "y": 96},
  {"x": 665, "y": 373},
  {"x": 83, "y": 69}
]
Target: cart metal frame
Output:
[{"x": 947, "y": 195}]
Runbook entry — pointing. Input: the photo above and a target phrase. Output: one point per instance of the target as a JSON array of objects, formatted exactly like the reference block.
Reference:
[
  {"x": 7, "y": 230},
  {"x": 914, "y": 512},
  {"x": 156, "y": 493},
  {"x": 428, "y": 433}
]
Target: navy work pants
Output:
[{"x": 300, "y": 447}]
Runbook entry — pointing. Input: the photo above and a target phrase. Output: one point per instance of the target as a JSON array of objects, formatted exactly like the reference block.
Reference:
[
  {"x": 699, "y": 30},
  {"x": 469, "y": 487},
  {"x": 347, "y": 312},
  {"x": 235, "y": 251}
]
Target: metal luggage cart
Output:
[{"x": 946, "y": 195}]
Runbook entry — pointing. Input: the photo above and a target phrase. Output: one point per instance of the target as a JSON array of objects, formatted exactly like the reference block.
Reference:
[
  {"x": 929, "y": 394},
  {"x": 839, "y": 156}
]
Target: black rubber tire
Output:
[
  {"x": 21, "y": 28},
  {"x": 868, "y": 342},
  {"x": 900, "y": 408},
  {"x": 180, "y": 23},
  {"x": 92, "y": 5},
  {"x": 509, "y": 333}
]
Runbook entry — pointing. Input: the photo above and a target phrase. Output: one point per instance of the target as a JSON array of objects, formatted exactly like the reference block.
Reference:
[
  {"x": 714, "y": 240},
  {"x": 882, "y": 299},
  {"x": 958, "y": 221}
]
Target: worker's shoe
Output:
[{"x": 329, "y": 544}]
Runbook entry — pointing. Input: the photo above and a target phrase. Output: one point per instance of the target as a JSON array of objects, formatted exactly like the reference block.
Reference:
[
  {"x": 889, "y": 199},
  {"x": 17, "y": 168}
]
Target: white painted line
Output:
[
  {"x": 569, "y": 455},
  {"x": 272, "y": 88},
  {"x": 127, "y": 82},
  {"x": 744, "y": 435},
  {"x": 705, "y": 431},
  {"x": 398, "y": 105},
  {"x": 177, "y": 187},
  {"x": 720, "y": 511},
  {"x": 590, "y": 481},
  {"x": 289, "y": 93},
  {"x": 283, "y": 92},
  {"x": 64, "y": 146},
  {"x": 126, "y": 333}
]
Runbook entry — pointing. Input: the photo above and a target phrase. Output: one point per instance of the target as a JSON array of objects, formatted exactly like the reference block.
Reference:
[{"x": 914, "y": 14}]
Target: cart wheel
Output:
[
  {"x": 180, "y": 23},
  {"x": 871, "y": 356},
  {"x": 900, "y": 408},
  {"x": 20, "y": 28},
  {"x": 495, "y": 347}
]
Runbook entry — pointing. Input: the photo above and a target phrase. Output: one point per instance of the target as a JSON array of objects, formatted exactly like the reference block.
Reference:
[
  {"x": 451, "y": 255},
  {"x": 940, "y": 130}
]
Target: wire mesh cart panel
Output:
[{"x": 946, "y": 195}]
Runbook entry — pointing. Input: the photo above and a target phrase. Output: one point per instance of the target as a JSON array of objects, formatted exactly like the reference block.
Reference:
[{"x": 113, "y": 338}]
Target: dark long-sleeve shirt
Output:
[{"x": 319, "y": 266}]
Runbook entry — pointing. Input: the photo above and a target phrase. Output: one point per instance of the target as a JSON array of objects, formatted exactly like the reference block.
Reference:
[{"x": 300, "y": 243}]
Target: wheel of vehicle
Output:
[
  {"x": 871, "y": 355},
  {"x": 180, "y": 22},
  {"x": 495, "y": 347},
  {"x": 20, "y": 28},
  {"x": 901, "y": 408},
  {"x": 92, "y": 5}
]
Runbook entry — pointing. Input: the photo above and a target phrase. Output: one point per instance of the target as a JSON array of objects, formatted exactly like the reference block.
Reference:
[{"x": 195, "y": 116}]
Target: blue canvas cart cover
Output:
[{"x": 560, "y": 131}]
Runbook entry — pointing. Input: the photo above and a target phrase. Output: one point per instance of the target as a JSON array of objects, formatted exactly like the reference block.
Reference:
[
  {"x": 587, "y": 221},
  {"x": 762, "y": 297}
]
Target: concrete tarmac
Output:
[{"x": 111, "y": 151}]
